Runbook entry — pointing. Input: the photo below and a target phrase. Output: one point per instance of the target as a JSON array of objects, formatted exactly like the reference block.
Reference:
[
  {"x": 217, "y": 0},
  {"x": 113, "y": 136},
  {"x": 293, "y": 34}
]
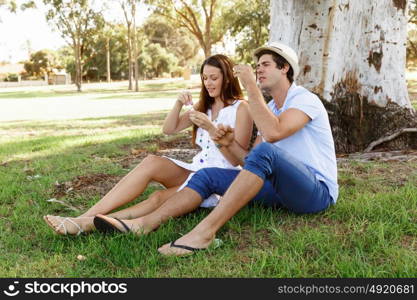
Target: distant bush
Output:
[
  {"x": 12, "y": 77},
  {"x": 177, "y": 71},
  {"x": 26, "y": 76},
  {"x": 33, "y": 78}
]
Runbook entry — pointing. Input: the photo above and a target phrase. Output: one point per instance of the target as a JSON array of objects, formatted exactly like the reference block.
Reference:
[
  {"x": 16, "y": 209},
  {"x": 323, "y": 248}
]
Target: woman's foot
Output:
[
  {"x": 70, "y": 226},
  {"x": 112, "y": 224},
  {"x": 187, "y": 244}
]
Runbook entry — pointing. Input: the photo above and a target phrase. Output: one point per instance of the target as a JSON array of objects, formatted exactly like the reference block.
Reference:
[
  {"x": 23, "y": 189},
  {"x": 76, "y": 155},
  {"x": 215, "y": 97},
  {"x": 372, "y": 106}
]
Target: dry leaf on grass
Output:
[
  {"x": 63, "y": 203},
  {"x": 136, "y": 151}
]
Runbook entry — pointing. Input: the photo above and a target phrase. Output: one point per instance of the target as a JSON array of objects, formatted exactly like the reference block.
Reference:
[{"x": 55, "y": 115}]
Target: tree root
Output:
[
  {"x": 388, "y": 138},
  {"x": 385, "y": 156}
]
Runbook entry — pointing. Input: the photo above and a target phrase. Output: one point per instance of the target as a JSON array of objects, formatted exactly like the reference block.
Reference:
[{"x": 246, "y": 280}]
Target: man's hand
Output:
[
  {"x": 245, "y": 74},
  {"x": 201, "y": 120},
  {"x": 224, "y": 135}
]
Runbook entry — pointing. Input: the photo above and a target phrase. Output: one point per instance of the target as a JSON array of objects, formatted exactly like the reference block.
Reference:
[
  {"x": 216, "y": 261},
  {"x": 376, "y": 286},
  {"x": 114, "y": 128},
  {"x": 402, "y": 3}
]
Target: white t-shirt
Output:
[{"x": 313, "y": 145}]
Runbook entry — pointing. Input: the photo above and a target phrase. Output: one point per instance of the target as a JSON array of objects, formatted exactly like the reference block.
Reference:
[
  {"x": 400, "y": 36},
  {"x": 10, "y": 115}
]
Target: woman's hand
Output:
[
  {"x": 185, "y": 98},
  {"x": 201, "y": 120},
  {"x": 224, "y": 135}
]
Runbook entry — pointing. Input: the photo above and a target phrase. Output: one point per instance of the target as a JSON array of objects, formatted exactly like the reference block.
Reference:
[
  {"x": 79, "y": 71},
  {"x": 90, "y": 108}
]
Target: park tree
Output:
[
  {"x": 177, "y": 41},
  {"x": 352, "y": 55},
  {"x": 163, "y": 49},
  {"x": 113, "y": 42},
  {"x": 78, "y": 23},
  {"x": 15, "y": 5},
  {"x": 412, "y": 33},
  {"x": 249, "y": 22},
  {"x": 42, "y": 63},
  {"x": 65, "y": 55},
  {"x": 155, "y": 60},
  {"x": 125, "y": 6},
  {"x": 129, "y": 12},
  {"x": 134, "y": 44},
  {"x": 412, "y": 47},
  {"x": 119, "y": 59},
  {"x": 99, "y": 51},
  {"x": 202, "y": 18},
  {"x": 108, "y": 31}
]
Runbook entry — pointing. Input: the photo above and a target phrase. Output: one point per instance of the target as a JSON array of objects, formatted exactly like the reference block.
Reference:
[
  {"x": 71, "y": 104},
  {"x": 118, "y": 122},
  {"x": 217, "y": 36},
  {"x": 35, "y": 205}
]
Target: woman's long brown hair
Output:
[{"x": 230, "y": 91}]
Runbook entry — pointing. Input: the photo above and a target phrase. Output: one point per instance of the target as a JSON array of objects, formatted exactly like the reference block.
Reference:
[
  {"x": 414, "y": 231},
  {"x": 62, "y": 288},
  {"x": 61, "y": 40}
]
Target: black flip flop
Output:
[
  {"x": 104, "y": 226},
  {"x": 192, "y": 249}
]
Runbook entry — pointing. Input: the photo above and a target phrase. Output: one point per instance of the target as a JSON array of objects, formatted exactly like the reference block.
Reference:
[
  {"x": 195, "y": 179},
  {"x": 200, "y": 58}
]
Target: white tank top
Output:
[{"x": 210, "y": 156}]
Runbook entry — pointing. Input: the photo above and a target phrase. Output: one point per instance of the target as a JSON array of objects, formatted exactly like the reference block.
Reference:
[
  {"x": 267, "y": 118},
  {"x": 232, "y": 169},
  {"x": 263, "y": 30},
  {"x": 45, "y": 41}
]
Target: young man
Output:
[{"x": 292, "y": 165}]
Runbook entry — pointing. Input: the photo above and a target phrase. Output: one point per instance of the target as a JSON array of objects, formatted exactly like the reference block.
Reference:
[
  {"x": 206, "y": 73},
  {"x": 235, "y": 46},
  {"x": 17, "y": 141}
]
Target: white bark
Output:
[{"x": 359, "y": 43}]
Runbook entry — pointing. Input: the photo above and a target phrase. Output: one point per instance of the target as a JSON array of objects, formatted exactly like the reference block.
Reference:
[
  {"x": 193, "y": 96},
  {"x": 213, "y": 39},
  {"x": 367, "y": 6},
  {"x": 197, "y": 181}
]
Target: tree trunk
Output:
[
  {"x": 129, "y": 52},
  {"x": 135, "y": 48},
  {"x": 108, "y": 59},
  {"x": 207, "y": 50},
  {"x": 78, "y": 67},
  {"x": 352, "y": 55}
]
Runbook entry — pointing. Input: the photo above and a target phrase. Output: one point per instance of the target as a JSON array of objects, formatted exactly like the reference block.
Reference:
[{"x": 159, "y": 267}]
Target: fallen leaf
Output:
[
  {"x": 63, "y": 203},
  {"x": 136, "y": 151}
]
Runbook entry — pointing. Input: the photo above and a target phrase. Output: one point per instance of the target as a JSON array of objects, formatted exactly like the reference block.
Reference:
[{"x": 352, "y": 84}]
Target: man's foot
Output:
[
  {"x": 71, "y": 226},
  {"x": 109, "y": 224},
  {"x": 187, "y": 245}
]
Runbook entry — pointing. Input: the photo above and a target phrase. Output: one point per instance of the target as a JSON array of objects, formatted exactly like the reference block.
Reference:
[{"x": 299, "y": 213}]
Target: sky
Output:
[
  {"x": 28, "y": 30},
  {"x": 25, "y": 29}
]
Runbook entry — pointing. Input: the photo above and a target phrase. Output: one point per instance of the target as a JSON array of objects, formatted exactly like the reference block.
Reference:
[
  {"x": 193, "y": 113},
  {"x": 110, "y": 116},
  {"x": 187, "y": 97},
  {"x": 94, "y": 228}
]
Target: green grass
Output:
[{"x": 370, "y": 232}]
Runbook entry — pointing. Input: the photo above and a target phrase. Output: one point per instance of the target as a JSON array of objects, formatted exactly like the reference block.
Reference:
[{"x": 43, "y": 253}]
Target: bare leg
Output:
[
  {"x": 236, "y": 197},
  {"x": 180, "y": 203},
  {"x": 152, "y": 168},
  {"x": 155, "y": 200},
  {"x": 74, "y": 226}
]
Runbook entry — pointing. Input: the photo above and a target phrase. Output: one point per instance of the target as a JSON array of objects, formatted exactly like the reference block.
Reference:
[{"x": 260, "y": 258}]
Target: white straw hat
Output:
[{"x": 284, "y": 51}]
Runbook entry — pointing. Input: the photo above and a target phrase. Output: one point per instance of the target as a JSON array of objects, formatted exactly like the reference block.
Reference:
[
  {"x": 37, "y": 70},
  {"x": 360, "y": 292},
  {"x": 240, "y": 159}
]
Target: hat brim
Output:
[{"x": 294, "y": 66}]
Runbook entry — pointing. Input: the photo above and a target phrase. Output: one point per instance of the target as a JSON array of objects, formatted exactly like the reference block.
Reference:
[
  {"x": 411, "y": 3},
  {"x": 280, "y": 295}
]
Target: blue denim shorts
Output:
[{"x": 288, "y": 183}]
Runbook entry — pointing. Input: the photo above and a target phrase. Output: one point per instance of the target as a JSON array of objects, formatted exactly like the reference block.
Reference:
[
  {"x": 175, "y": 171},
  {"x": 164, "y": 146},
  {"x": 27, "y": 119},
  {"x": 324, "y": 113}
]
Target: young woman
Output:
[{"x": 220, "y": 103}]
